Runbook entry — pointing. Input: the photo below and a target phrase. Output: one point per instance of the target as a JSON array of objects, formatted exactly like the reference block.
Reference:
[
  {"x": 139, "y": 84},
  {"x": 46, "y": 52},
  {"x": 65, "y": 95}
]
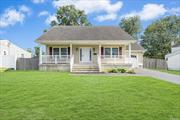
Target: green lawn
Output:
[
  {"x": 60, "y": 96},
  {"x": 176, "y": 72}
]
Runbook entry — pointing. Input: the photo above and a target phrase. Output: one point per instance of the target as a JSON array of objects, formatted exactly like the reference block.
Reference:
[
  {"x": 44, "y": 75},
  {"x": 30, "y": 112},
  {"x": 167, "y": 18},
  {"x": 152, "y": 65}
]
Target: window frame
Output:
[
  {"x": 53, "y": 50},
  {"x": 105, "y": 52},
  {"x": 66, "y": 51},
  {"x": 60, "y": 50},
  {"x": 110, "y": 52}
]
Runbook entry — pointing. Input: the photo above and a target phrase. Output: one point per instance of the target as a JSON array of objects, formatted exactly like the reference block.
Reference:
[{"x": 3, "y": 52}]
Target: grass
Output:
[
  {"x": 3, "y": 69},
  {"x": 37, "y": 95},
  {"x": 176, "y": 72}
]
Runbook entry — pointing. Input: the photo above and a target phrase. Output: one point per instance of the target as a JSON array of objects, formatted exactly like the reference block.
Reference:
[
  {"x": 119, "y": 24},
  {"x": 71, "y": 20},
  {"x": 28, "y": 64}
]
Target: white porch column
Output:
[
  {"x": 71, "y": 58},
  {"x": 129, "y": 46},
  {"x": 70, "y": 50},
  {"x": 99, "y": 58},
  {"x": 40, "y": 54}
]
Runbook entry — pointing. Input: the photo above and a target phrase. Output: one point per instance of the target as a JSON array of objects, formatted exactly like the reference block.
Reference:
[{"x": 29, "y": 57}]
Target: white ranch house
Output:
[
  {"x": 89, "y": 49},
  {"x": 173, "y": 58},
  {"x": 9, "y": 53}
]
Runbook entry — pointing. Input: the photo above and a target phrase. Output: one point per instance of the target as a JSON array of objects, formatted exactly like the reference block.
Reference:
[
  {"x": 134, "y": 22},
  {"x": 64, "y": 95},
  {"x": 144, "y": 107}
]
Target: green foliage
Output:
[
  {"x": 122, "y": 70},
  {"x": 158, "y": 36},
  {"x": 6, "y": 69},
  {"x": 113, "y": 70},
  {"x": 70, "y": 16},
  {"x": 45, "y": 30},
  {"x": 117, "y": 70},
  {"x": 175, "y": 72},
  {"x": 131, "y": 25},
  {"x": 131, "y": 71},
  {"x": 29, "y": 50},
  {"x": 35, "y": 95},
  {"x": 36, "y": 50}
]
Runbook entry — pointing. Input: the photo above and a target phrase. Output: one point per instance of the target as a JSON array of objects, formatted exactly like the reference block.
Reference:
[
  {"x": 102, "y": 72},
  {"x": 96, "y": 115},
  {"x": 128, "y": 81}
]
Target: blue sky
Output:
[{"x": 22, "y": 21}]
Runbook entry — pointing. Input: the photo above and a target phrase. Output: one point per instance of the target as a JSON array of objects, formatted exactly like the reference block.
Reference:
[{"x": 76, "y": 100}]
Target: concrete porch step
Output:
[
  {"x": 85, "y": 68},
  {"x": 85, "y": 71}
]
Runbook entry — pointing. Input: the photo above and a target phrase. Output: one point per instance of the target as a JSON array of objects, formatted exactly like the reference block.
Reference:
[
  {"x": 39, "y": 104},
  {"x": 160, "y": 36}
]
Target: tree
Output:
[
  {"x": 158, "y": 36},
  {"x": 70, "y": 16},
  {"x": 37, "y": 50},
  {"x": 29, "y": 50},
  {"x": 131, "y": 25},
  {"x": 45, "y": 30}
]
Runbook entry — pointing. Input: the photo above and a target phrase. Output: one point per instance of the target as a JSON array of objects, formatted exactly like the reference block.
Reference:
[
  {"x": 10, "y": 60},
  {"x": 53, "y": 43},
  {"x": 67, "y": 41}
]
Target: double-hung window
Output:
[
  {"x": 111, "y": 52},
  {"x": 107, "y": 52},
  {"x": 55, "y": 51},
  {"x": 64, "y": 52},
  {"x": 114, "y": 52}
]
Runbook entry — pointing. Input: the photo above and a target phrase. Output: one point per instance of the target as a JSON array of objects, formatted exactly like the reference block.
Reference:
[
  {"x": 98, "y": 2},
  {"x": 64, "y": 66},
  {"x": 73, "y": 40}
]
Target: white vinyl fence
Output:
[{"x": 7, "y": 61}]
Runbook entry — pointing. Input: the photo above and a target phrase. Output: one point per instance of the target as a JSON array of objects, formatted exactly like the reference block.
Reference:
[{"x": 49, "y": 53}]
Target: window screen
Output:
[
  {"x": 114, "y": 51},
  {"x": 55, "y": 51},
  {"x": 107, "y": 51},
  {"x": 64, "y": 51}
]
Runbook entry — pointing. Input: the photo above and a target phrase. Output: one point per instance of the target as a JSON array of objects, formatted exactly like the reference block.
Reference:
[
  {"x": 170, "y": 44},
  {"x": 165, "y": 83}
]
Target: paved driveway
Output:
[{"x": 160, "y": 75}]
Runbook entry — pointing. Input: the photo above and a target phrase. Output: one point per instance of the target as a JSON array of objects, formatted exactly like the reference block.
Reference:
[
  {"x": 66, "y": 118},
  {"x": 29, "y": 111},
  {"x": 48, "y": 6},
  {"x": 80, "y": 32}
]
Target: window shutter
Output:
[
  {"x": 102, "y": 51},
  {"x": 120, "y": 50},
  {"x": 68, "y": 50},
  {"x": 50, "y": 50}
]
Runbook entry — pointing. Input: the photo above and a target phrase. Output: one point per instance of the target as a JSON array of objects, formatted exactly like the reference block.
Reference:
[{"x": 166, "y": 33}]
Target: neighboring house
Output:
[
  {"x": 9, "y": 53},
  {"x": 89, "y": 49},
  {"x": 173, "y": 59}
]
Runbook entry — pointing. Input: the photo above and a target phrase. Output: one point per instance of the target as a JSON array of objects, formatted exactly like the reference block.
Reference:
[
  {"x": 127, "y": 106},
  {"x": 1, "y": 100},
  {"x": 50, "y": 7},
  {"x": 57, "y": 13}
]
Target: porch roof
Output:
[
  {"x": 136, "y": 46},
  {"x": 69, "y": 33}
]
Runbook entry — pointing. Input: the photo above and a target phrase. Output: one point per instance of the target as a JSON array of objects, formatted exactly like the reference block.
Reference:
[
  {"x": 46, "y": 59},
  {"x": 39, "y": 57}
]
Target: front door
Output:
[{"x": 85, "y": 55}]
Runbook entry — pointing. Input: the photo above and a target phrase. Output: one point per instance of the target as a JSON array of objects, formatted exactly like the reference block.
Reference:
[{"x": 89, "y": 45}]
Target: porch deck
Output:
[{"x": 67, "y": 63}]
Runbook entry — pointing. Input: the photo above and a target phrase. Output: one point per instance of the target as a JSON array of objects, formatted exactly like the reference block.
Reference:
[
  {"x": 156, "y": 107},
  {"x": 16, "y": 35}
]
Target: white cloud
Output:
[
  {"x": 174, "y": 11},
  {"x": 50, "y": 18},
  {"x": 149, "y": 11},
  {"x": 106, "y": 17},
  {"x": 43, "y": 13},
  {"x": 25, "y": 9},
  {"x": 12, "y": 16},
  {"x": 38, "y": 1},
  {"x": 93, "y": 6}
]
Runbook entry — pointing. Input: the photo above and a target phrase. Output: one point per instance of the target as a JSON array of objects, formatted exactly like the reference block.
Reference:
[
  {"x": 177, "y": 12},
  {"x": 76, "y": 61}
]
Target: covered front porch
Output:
[{"x": 68, "y": 56}]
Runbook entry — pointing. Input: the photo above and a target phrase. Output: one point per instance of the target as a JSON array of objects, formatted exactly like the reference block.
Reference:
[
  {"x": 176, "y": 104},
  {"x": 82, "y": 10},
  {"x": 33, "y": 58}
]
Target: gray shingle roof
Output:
[
  {"x": 85, "y": 33},
  {"x": 136, "y": 46}
]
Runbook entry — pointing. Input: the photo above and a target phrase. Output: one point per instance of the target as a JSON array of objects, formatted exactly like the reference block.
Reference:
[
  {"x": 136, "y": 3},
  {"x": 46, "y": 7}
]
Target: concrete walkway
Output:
[
  {"x": 144, "y": 72},
  {"x": 160, "y": 75}
]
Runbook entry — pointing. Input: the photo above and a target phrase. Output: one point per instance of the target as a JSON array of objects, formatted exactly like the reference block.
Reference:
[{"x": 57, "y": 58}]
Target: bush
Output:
[
  {"x": 113, "y": 70},
  {"x": 121, "y": 70},
  {"x": 117, "y": 70},
  {"x": 131, "y": 71},
  {"x": 6, "y": 69}
]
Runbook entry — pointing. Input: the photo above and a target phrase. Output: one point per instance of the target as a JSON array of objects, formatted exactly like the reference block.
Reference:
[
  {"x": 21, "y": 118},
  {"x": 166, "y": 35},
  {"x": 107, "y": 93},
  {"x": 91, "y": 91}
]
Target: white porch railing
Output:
[
  {"x": 112, "y": 56},
  {"x": 55, "y": 59},
  {"x": 114, "y": 59}
]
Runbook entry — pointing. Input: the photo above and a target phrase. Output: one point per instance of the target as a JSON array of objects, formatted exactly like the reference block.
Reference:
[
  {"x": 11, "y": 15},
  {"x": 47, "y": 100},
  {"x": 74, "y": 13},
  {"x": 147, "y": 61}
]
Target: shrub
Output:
[
  {"x": 113, "y": 70},
  {"x": 131, "y": 71},
  {"x": 122, "y": 70}
]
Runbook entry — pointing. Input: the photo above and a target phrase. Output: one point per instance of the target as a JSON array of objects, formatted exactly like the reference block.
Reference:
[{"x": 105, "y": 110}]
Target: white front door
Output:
[{"x": 85, "y": 54}]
